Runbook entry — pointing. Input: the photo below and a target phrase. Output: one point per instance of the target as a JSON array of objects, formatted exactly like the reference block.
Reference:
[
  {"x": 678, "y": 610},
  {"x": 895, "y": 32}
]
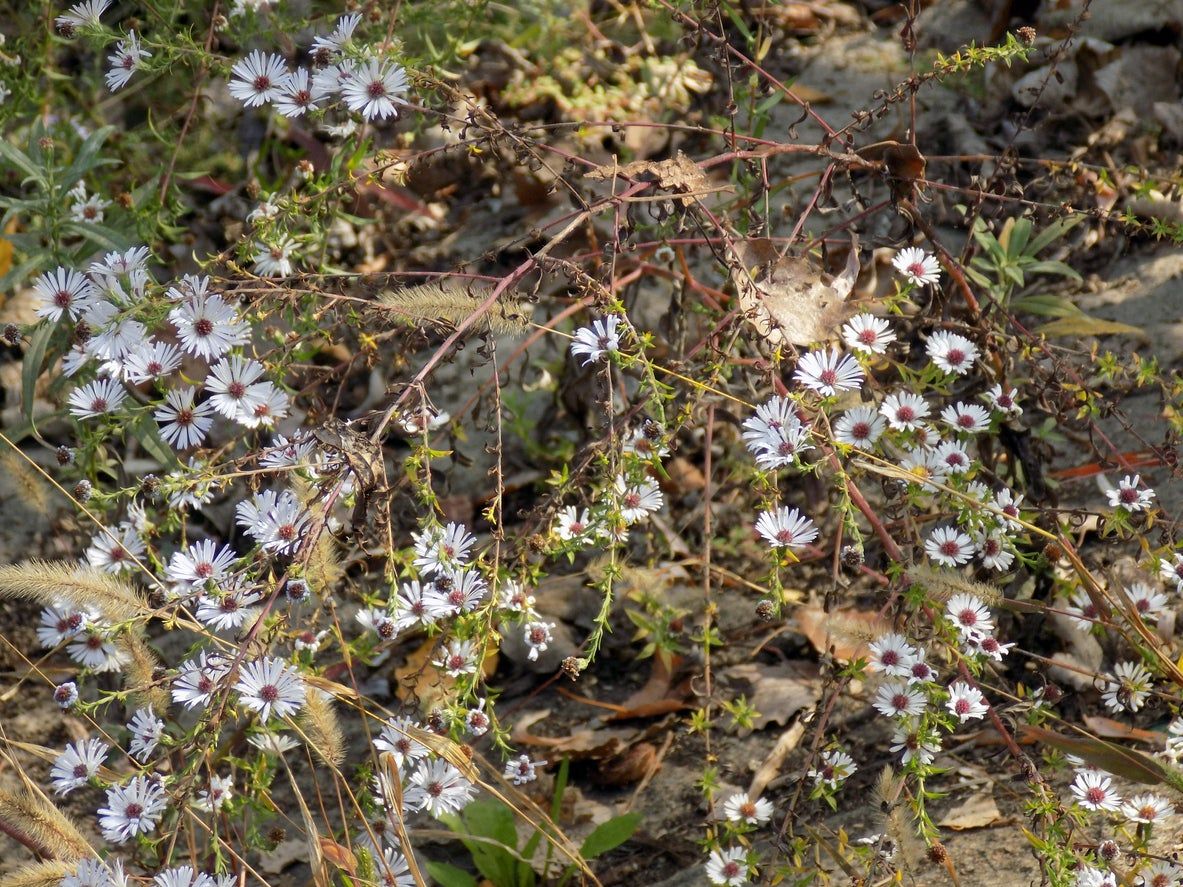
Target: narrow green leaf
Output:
[
  {"x": 447, "y": 875},
  {"x": 31, "y": 367},
  {"x": 21, "y": 161},
  {"x": 84, "y": 159},
  {"x": 1020, "y": 235},
  {"x": 107, "y": 238},
  {"x": 609, "y": 835},
  {"x": 1045, "y": 305},
  {"x": 1058, "y": 268},
  {"x": 146, "y": 431},
  {"x": 1053, "y": 232}
]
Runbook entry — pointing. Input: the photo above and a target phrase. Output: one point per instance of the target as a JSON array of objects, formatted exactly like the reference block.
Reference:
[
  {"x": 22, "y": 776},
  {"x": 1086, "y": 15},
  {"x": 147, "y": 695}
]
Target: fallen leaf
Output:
[
  {"x": 978, "y": 811},
  {"x": 776, "y": 692},
  {"x": 633, "y": 765},
  {"x": 846, "y": 631},
  {"x": 1133, "y": 765},
  {"x": 1107, "y": 728},
  {"x": 679, "y": 174},
  {"x": 788, "y": 741},
  {"x": 340, "y": 856},
  {"x": 790, "y": 298},
  {"x": 1084, "y": 325}
]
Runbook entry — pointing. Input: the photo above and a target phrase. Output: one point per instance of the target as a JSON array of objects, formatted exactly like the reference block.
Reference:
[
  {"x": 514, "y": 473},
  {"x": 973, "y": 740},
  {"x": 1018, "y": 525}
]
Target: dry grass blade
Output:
[
  {"x": 38, "y": 874},
  {"x": 449, "y": 304},
  {"x": 50, "y": 582},
  {"x": 33, "y": 821}
]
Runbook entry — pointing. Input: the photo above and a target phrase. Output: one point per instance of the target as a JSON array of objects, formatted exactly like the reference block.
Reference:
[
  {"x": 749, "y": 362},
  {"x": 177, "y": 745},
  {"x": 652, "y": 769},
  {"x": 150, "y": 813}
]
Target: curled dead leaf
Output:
[{"x": 790, "y": 298}]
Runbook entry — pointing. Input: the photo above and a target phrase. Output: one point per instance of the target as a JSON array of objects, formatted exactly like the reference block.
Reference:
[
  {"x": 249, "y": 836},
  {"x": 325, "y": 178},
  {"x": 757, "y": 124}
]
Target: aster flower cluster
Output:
[
  {"x": 367, "y": 85},
  {"x": 116, "y": 347}
]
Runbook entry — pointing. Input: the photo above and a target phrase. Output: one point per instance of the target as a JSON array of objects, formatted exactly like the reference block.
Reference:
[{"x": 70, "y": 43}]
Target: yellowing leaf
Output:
[{"x": 1084, "y": 325}]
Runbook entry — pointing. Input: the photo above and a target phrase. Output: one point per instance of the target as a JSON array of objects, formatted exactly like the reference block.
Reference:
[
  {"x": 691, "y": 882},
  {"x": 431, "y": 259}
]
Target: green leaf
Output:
[
  {"x": 1085, "y": 325},
  {"x": 1052, "y": 232},
  {"x": 1058, "y": 268},
  {"x": 609, "y": 835},
  {"x": 447, "y": 875},
  {"x": 492, "y": 821},
  {"x": 146, "y": 431},
  {"x": 84, "y": 160},
  {"x": 1015, "y": 234},
  {"x": 31, "y": 367},
  {"x": 1045, "y": 305},
  {"x": 23, "y": 162},
  {"x": 107, "y": 238}
]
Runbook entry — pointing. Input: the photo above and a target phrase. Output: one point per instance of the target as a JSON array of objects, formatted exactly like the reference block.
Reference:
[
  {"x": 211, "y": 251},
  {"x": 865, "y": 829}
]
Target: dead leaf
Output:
[
  {"x": 789, "y": 298},
  {"x": 776, "y": 692},
  {"x": 978, "y": 811},
  {"x": 679, "y": 174},
  {"x": 632, "y": 766},
  {"x": 340, "y": 856},
  {"x": 1107, "y": 728},
  {"x": 788, "y": 741},
  {"x": 1113, "y": 758},
  {"x": 1084, "y": 325},
  {"x": 847, "y": 631}
]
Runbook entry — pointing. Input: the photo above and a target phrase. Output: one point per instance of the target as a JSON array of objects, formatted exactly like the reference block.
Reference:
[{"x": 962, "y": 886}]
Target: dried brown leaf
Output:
[{"x": 790, "y": 299}]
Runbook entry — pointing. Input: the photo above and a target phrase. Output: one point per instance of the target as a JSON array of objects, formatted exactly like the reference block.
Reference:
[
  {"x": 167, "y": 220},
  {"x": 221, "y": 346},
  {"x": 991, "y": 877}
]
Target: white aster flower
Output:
[
  {"x": 951, "y": 353},
  {"x": 892, "y": 655},
  {"x": 594, "y": 342},
  {"x": 1127, "y": 495},
  {"x": 968, "y": 418},
  {"x": 895, "y": 698},
  {"x": 183, "y": 423},
  {"x": 969, "y": 615},
  {"x": 833, "y": 768},
  {"x": 375, "y": 88},
  {"x": 274, "y": 259},
  {"x": 904, "y": 411},
  {"x": 208, "y": 327},
  {"x": 230, "y": 381},
  {"x": 867, "y": 333},
  {"x": 81, "y": 14},
  {"x": 785, "y": 528},
  {"x": 270, "y": 686},
  {"x": 298, "y": 95},
  {"x": 125, "y": 61},
  {"x": 76, "y": 765},
  {"x": 728, "y": 868},
  {"x": 1149, "y": 603},
  {"x": 1148, "y": 808},
  {"x": 915, "y": 745},
  {"x": 63, "y": 291},
  {"x": 522, "y": 770},
  {"x": 395, "y": 739},
  {"x": 97, "y": 398},
  {"x": 1094, "y": 791},
  {"x": 859, "y": 427},
  {"x": 146, "y": 730},
  {"x": 740, "y": 808},
  {"x": 917, "y": 266},
  {"x": 1128, "y": 687},
  {"x": 152, "y": 360},
  {"x": 439, "y": 788},
  {"x": 965, "y": 702},
  {"x": 258, "y": 78},
  {"x": 132, "y": 809},
  {"x": 327, "y": 47},
  {"x": 115, "y": 551},
  {"x": 828, "y": 371},
  {"x": 949, "y": 546},
  {"x": 538, "y": 636},
  {"x": 638, "y": 501},
  {"x": 1005, "y": 400}
]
